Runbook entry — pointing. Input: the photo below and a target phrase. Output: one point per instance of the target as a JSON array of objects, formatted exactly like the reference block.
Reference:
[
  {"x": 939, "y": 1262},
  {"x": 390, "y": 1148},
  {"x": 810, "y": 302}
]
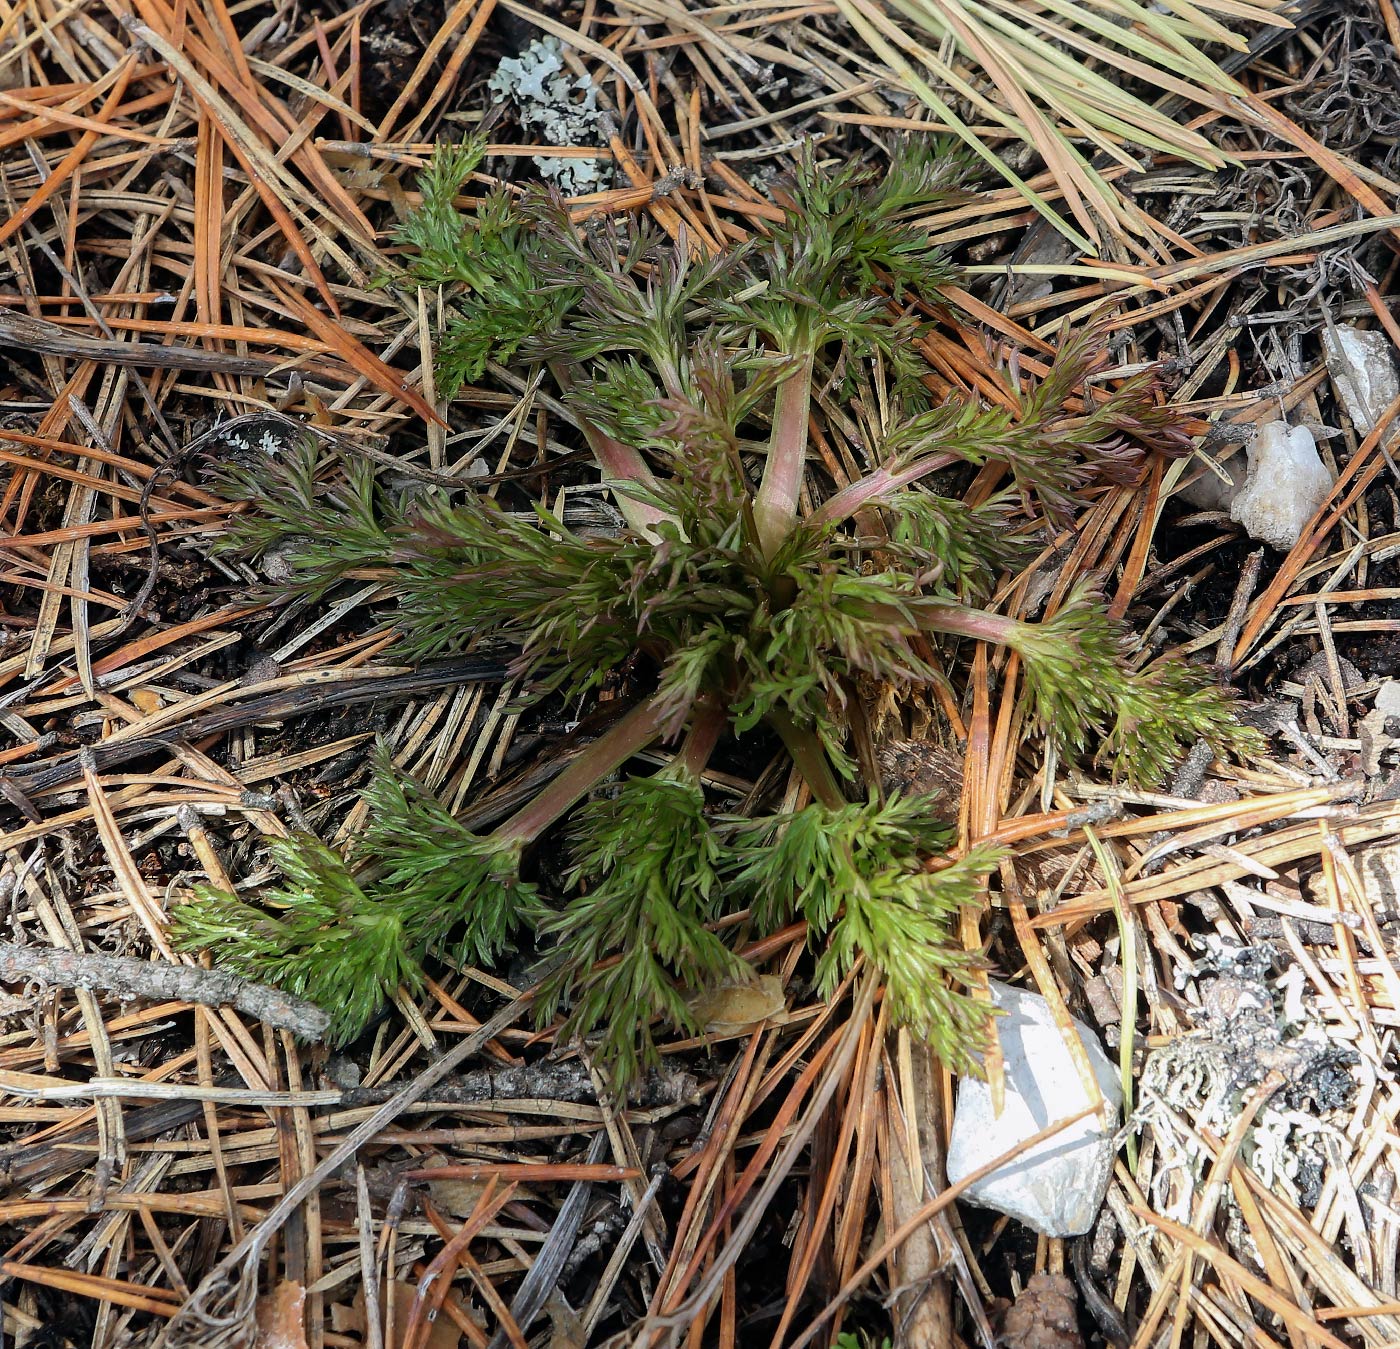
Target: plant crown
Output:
[{"x": 752, "y": 598}]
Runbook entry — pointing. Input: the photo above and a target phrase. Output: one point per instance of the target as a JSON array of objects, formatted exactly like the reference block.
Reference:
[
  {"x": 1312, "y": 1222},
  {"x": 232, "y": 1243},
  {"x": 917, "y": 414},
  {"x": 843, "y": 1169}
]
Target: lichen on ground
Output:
[{"x": 562, "y": 109}]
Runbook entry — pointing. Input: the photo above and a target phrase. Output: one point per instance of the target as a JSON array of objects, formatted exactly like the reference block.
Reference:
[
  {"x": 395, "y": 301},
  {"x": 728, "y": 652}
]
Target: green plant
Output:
[
  {"x": 318, "y": 935},
  {"x": 849, "y": 1339},
  {"x": 752, "y": 597}
]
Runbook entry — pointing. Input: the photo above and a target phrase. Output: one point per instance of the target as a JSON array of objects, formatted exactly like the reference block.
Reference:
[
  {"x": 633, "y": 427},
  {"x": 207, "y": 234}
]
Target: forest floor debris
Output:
[{"x": 201, "y": 200}]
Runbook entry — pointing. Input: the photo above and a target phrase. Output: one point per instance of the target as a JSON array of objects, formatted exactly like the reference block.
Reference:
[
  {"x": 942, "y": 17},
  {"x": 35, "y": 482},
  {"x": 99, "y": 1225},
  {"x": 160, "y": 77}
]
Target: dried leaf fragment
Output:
[
  {"x": 739, "y": 1003},
  {"x": 443, "y": 1333},
  {"x": 1044, "y": 1316},
  {"x": 279, "y": 1318},
  {"x": 457, "y": 1197}
]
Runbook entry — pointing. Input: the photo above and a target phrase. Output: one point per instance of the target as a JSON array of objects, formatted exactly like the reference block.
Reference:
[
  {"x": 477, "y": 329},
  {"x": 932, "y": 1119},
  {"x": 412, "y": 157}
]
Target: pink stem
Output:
[
  {"x": 775, "y": 506},
  {"x": 706, "y": 726},
  {"x": 873, "y": 486},
  {"x": 610, "y": 751},
  {"x": 963, "y": 621},
  {"x": 619, "y": 464}
]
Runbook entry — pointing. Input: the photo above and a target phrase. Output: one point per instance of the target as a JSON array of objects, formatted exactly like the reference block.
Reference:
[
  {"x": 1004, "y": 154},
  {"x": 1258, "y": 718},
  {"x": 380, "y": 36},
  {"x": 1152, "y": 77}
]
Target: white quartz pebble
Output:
[
  {"x": 1058, "y": 1186},
  {"x": 1285, "y": 485},
  {"x": 1363, "y": 372}
]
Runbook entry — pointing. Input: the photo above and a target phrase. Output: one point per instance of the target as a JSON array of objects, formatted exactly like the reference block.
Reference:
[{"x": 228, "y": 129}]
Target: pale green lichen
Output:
[{"x": 561, "y": 109}]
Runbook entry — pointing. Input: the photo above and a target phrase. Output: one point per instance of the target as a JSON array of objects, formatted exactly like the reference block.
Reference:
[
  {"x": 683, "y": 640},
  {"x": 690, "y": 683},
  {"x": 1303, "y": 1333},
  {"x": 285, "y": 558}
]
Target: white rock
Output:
[
  {"x": 1362, "y": 371},
  {"x": 1388, "y": 698},
  {"x": 1058, "y": 1186},
  {"x": 1286, "y": 483},
  {"x": 1209, "y": 491}
]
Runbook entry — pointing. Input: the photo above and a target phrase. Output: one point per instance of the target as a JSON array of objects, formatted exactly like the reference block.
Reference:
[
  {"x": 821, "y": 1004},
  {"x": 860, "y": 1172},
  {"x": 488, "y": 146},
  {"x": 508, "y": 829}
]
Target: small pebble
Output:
[
  {"x": 1363, "y": 373},
  {"x": 1287, "y": 482},
  {"x": 1056, "y": 1187}
]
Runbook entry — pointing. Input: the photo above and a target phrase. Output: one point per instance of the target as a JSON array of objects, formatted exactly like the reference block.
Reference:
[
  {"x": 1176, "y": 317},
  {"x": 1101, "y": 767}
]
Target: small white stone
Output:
[
  {"x": 1058, "y": 1186},
  {"x": 1363, "y": 373},
  {"x": 1388, "y": 698},
  {"x": 1286, "y": 483},
  {"x": 1209, "y": 491}
]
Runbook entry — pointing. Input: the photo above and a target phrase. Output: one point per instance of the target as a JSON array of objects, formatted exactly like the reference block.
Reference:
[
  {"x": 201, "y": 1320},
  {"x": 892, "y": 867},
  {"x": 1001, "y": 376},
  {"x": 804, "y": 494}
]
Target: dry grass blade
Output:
[{"x": 1036, "y": 72}]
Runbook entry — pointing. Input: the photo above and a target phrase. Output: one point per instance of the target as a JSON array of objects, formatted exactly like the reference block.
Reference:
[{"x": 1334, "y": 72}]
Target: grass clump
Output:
[{"x": 749, "y": 595}]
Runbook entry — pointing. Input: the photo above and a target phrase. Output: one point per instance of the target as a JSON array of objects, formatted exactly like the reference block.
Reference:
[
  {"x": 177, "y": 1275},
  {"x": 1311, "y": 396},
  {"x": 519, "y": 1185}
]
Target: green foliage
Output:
[
  {"x": 849, "y": 230},
  {"x": 849, "y": 1339},
  {"x": 647, "y": 878},
  {"x": 613, "y": 310},
  {"x": 800, "y": 658},
  {"x": 473, "y": 571},
  {"x": 526, "y": 281},
  {"x": 318, "y": 935},
  {"x": 1083, "y": 692},
  {"x": 964, "y": 548},
  {"x": 489, "y": 260},
  {"x": 859, "y": 876},
  {"x": 689, "y": 379},
  {"x": 848, "y": 233},
  {"x": 347, "y": 942},
  {"x": 1055, "y": 453},
  {"x": 320, "y": 532},
  {"x": 445, "y": 248},
  {"x": 425, "y": 859},
  {"x": 624, "y": 399},
  {"x": 1052, "y": 451}
]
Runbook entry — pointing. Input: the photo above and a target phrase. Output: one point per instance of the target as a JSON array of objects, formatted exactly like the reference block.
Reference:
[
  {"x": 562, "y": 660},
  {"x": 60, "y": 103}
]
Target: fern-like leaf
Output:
[
  {"x": 317, "y": 934},
  {"x": 633, "y": 940},
  {"x": 860, "y": 876}
]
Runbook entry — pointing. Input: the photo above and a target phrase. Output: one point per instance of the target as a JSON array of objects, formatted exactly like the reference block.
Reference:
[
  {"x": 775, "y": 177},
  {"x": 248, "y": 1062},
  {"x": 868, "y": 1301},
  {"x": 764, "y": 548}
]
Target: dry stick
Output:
[
  {"x": 129, "y": 979},
  {"x": 143, "y": 1089},
  {"x": 543, "y": 1275},
  {"x": 265, "y": 172},
  {"x": 303, "y": 698},
  {"x": 201, "y": 1323},
  {"x": 1179, "y": 1273},
  {"x": 51, "y": 339},
  {"x": 24, "y": 1165},
  {"x": 64, "y": 170},
  {"x": 1239, "y": 606},
  {"x": 1286, "y": 1311}
]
